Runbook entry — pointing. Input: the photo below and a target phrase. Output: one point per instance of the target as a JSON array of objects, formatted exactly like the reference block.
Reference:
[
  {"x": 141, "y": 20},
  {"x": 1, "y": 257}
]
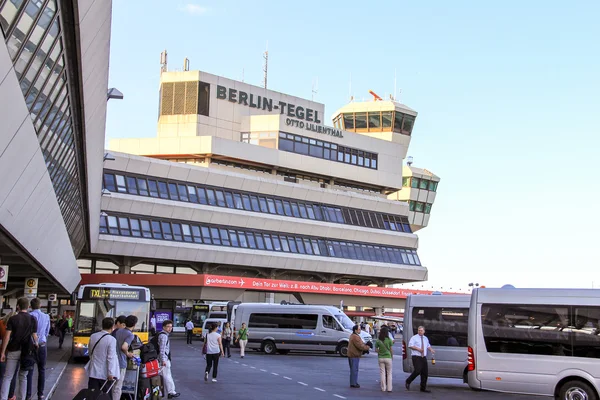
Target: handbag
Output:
[{"x": 205, "y": 347}]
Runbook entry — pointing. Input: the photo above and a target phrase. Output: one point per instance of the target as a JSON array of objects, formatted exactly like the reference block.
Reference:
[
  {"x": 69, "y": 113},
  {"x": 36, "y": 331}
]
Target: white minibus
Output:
[{"x": 535, "y": 341}]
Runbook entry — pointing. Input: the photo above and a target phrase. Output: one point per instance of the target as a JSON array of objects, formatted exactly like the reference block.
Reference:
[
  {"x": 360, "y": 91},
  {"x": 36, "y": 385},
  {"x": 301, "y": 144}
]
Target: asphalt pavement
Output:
[{"x": 296, "y": 375}]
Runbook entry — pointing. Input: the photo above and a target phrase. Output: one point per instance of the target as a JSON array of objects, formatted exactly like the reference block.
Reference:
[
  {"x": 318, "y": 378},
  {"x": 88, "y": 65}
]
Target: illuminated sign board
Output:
[{"x": 114, "y": 294}]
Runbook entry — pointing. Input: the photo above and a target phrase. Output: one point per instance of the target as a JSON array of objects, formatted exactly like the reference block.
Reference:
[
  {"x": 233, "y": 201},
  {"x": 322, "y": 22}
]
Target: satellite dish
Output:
[{"x": 508, "y": 286}]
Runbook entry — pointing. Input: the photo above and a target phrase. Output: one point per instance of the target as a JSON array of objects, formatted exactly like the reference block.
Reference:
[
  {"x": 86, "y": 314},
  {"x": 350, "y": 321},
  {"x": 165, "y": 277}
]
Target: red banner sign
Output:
[{"x": 278, "y": 285}]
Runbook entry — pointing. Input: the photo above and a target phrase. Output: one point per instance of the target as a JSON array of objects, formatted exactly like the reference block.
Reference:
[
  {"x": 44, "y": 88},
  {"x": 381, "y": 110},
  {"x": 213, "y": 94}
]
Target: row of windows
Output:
[
  {"x": 283, "y": 321},
  {"x": 254, "y": 202},
  {"x": 34, "y": 41},
  {"x": 375, "y": 121},
  {"x": 418, "y": 206},
  {"x": 327, "y": 150},
  {"x": 269, "y": 241},
  {"x": 419, "y": 183},
  {"x": 552, "y": 330}
]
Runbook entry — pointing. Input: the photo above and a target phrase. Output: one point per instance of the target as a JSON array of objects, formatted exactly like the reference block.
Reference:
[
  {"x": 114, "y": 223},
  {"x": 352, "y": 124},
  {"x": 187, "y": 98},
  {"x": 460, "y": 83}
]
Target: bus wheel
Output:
[
  {"x": 576, "y": 390},
  {"x": 343, "y": 350},
  {"x": 268, "y": 347}
]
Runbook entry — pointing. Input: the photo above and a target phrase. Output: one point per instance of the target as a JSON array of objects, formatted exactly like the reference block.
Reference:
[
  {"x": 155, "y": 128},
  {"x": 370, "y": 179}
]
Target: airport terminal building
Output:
[{"x": 242, "y": 182}]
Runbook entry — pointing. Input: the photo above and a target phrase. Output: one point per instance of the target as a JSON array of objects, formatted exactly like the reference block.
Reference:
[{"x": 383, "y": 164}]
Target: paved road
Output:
[{"x": 297, "y": 375}]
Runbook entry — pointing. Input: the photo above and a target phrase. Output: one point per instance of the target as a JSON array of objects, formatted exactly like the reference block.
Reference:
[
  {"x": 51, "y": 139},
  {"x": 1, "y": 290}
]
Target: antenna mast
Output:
[
  {"x": 163, "y": 61},
  {"x": 266, "y": 67}
]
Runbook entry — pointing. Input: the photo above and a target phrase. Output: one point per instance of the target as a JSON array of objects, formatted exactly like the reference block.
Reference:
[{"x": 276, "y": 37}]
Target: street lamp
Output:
[
  {"x": 114, "y": 93},
  {"x": 472, "y": 285}
]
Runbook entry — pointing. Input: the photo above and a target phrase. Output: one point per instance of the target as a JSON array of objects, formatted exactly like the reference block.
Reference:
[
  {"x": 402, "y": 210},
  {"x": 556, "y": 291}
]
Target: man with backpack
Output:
[
  {"x": 20, "y": 331},
  {"x": 124, "y": 338},
  {"x": 43, "y": 330},
  {"x": 164, "y": 357},
  {"x": 62, "y": 325}
]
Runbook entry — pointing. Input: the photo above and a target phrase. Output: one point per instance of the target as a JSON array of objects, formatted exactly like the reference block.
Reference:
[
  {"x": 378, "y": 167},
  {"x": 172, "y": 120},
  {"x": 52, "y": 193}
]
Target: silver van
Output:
[
  {"x": 543, "y": 342},
  {"x": 279, "y": 328},
  {"x": 446, "y": 320}
]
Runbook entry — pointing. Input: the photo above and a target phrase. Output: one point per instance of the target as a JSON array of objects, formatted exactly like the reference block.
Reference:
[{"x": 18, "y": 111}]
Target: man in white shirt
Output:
[
  {"x": 189, "y": 330},
  {"x": 103, "y": 364},
  {"x": 419, "y": 345}
]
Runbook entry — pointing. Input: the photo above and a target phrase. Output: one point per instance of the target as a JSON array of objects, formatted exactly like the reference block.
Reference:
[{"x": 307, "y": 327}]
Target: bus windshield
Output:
[
  {"x": 344, "y": 321},
  {"x": 92, "y": 312}
]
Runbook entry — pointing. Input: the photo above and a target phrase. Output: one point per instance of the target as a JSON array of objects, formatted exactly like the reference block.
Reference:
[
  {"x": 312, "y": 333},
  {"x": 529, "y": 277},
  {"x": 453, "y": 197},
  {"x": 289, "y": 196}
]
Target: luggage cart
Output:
[{"x": 130, "y": 384}]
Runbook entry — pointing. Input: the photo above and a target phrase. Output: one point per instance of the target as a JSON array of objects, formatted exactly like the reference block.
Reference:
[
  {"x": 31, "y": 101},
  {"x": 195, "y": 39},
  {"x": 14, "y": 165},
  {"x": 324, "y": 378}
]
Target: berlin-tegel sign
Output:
[{"x": 278, "y": 285}]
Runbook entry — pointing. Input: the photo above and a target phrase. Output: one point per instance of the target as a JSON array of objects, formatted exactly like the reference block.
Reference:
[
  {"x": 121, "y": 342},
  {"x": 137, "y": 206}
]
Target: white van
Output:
[
  {"x": 445, "y": 318},
  {"x": 219, "y": 321},
  {"x": 536, "y": 341},
  {"x": 280, "y": 328}
]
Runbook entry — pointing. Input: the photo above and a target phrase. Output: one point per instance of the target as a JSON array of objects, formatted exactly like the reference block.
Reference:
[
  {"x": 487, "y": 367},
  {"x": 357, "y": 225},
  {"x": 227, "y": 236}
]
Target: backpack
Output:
[{"x": 150, "y": 350}]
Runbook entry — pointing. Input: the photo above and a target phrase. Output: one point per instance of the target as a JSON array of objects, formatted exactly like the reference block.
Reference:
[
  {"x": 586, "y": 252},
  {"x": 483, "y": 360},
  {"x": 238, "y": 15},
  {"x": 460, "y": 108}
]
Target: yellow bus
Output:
[{"x": 98, "y": 301}]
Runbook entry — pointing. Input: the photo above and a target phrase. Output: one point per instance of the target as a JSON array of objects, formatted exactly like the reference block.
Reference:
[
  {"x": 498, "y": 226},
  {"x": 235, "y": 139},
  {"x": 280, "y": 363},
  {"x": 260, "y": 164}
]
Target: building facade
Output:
[
  {"x": 248, "y": 182},
  {"x": 53, "y": 93}
]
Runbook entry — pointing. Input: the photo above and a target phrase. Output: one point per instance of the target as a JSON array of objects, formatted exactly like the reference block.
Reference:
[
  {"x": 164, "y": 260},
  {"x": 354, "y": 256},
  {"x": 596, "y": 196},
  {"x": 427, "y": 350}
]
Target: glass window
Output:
[
  {"x": 276, "y": 243},
  {"x": 586, "y": 332},
  {"x": 286, "y": 145},
  {"x": 142, "y": 186},
  {"x": 268, "y": 243},
  {"x": 121, "y": 187},
  {"x": 307, "y": 246},
  {"x": 251, "y": 241},
  {"x": 287, "y": 208},
  {"x": 361, "y": 120},
  {"x": 113, "y": 225},
  {"x": 201, "y": 195},
  {"x": 192, "y": 195},
  {"x": 162, "y": 190},
  {"x": 407, "y": 127},
  {"x": 103, "y": 225},
  {"x": 196, "y": 234},
  {"x": 183, "y": 192},
  {"x": 229, "y": 200},
  {"x": 242, "y": 238},
  {"x": 146, "y": 229},
  {"x": 309, "y": 211},
  {"x": 432, "y": 186},
  {"x": 301, "y": 148},
  {"x": 173, "y": 195},
  {"x": 234, "y": 238},
  {"x": 295, "y": 210},
  {"x": 247, "y": 204},
  {"x": 263, "y": 205},
  {"x": 423, "y": 184},
  {"x": 177, "y": 233},
  {"x": 260, "y": 243},
  {"x": 238, "y": 201},
  {"x": 316, "y": 151},
  {"x": 292, "y": 244},
  {"x": 271, "y": 204},
  {"x": 220, "y": 198},
  {"x": 187, "y": 232},
  {"x": 318, "y": 212},
  {"x": 448, "y": 326},
  {"x": 419, "y": 207},
  {"x": 124, "y": 226},
  {"x": 153, "y": 188},
  {"x": 375, "y": 120},
  {"x": 279, "y": 206},
  {"x": 386, "y": 119},
  {"x": 284, "y": 244},
  {"x": 398, "y": 122},
  {"x": 156, "y": 232},
  {"x": 225, "y": 237},
  {"x": 303, "y": 212},
  {"x": 206, "y": 235},
  {"x": 427, "y": 208},
  {"x": 255, "y": 204},
  {"x": 214, "y": 234},
  {"x": 348, "y": 121},
  {"x": 374, "y": 162},
  {"x": 166, "y": 228},
  {"x": 109, "y": 182},
  {"x": 526, "y": 329},
  {"x": 210, "y": 195}
]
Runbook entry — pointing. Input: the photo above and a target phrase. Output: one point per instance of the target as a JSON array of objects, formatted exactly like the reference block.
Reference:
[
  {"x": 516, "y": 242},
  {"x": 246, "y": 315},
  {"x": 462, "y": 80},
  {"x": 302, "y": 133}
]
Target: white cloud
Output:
[{"x": 193, "y": 9}]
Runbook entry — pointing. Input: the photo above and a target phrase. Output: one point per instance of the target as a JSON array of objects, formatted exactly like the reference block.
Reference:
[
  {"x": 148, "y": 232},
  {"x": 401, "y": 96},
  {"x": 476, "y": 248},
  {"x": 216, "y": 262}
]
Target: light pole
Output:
[{"x": 473, "y": 285}]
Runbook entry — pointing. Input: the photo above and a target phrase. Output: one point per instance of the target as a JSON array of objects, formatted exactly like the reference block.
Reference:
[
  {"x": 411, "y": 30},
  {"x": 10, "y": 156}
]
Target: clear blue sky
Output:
[{"x": 507, "y": 95}]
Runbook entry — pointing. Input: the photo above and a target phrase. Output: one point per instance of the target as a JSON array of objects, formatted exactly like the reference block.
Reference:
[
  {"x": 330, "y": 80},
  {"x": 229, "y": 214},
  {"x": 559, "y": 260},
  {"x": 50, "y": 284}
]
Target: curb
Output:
[{"x": 53, "y": 389}]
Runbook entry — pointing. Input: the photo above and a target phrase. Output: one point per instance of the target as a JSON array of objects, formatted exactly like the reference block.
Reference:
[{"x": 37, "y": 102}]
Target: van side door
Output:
[{"x": 330, "y": 333}]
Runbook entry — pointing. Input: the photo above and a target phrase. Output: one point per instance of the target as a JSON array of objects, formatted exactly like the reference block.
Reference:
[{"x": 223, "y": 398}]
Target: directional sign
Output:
[{"x": 31, "y": 287}]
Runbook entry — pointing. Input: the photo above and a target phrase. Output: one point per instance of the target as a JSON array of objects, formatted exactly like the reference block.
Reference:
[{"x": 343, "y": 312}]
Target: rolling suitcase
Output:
[{"x": 92, "y": 394}]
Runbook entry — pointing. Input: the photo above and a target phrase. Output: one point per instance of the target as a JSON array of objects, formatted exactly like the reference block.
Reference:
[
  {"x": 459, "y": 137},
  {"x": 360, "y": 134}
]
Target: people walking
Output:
[
  {"x": 385, "y": 355},
  {"x": 103, "y": 364},
  {"x": 70, "y": 323},
  {"x": 214, "y": 350},
  {"x": 226, "y": 335},
  {"x": 164, "y": 358},
  {"x": 419, "y": 345},
  {"x": 189, "y": 331},
  {"x": 21, "y": 329},
  {"x": 43, "y": 330},
  {"x": 242, "y": 338},
  {"x": 62, "y": 326},
  {"x": 119, "y": 323},
  {"x": 124, "y": 337},
  {"x": 355, "y": 352}
]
